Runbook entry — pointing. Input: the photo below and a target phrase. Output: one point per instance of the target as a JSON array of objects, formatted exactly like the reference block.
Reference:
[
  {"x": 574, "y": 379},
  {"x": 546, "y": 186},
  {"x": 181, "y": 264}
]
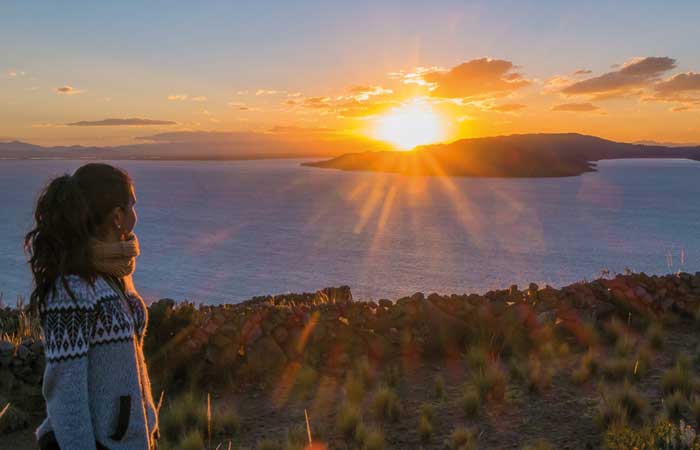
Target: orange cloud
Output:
[
  {"x": 508, "y": 107},
  {"x": 576, "y": 107},
  {"x": 634, "y": 75},
  {"x": 477, "y": 78},
  {"x": 68, "y": 90},
  {"x": 135, "y": 121}
]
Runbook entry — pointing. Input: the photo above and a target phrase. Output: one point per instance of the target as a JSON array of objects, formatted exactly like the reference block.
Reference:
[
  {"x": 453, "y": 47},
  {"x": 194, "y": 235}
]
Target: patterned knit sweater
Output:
[{"x": 96, "y": 383}]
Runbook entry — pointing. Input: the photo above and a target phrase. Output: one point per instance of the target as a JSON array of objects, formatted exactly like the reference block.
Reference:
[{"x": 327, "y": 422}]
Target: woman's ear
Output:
[{"x": 117, "y": 218}]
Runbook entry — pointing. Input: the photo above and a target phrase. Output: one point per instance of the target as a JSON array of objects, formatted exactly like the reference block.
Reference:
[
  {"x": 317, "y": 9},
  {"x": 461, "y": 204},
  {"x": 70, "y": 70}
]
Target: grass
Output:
[
  {"x": 675, "y": 405},
  {"x": 374, "y": 440},
  {"x": 540, "y": 444},
  {"x": 425, "y": 428},
  {"x": 296, "y": 438},
  {"x": 655, "y": 336},
  {"x": 386, "y": 404},
  {"x": 349, "y": 417},
  {"x": 678, "y": 378},
  {"x": 471, "y": 402},
  {"x": 188, "y": 413},
  {"x": 392, "y": 375},
  {"x": 354, "y": 389},
  {"x": 490, "y": 383},
  {"x": 618, "y": 369},
  {"x": 694, "y": 408},
  {"x": 622, "y": 406},
  {"x": 538, "y": 377},
  {"x": 477, "y": 357},
  {"x": 461, "y": 439},
  {"x": 589, "y": 366},
  {"x": 267, "y": 444},
  {"x": 439, "y": 387},
  {"x": 192, "y": 440}
]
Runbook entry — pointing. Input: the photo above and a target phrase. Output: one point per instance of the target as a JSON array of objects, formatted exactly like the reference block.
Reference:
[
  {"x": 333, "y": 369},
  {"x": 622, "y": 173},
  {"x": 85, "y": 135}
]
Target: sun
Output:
[{"x": 410, "y": 125}]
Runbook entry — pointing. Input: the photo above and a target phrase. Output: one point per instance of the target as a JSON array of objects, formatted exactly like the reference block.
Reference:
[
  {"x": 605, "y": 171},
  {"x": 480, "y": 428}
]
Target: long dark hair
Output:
[{"x": 68, "y": 212}]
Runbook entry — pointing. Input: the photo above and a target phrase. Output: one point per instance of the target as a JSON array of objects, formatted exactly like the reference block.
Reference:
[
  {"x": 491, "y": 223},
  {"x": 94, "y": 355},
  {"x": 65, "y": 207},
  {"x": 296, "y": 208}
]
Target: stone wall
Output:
[{"x": 327, "y": 331}]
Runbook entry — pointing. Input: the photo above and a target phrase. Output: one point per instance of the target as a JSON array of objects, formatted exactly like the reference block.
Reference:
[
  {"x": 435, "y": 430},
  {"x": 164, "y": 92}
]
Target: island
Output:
[{"x": 516, "y": 156}]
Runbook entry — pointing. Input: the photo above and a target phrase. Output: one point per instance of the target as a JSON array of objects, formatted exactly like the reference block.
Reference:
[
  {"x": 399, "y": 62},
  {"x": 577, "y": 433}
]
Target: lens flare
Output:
[{"x": 410, "y": 125}]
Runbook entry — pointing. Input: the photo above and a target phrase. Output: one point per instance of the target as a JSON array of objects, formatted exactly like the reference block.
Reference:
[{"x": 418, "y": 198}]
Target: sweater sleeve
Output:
[{"x": 67, "y": 331}]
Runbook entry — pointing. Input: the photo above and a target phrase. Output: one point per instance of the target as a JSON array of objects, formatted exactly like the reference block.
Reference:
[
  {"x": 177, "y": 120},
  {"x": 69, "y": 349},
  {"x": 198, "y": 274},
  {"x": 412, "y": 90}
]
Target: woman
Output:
[{"x": 82, "y": 254}]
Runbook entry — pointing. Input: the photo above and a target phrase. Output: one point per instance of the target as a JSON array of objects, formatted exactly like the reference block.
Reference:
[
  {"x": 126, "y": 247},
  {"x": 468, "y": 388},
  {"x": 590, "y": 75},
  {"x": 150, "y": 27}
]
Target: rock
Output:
[
  {"x": 384, "y": 303},
  {"x": 547, "y": 317}
]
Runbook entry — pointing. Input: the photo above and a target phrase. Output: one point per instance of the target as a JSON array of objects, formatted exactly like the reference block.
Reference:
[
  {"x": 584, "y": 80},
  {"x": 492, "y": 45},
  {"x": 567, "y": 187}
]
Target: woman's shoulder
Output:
[{"x": 75, "y": 291}]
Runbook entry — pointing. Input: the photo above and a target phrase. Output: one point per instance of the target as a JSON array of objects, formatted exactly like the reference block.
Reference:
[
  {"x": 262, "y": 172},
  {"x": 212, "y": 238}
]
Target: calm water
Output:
[{"x": 226, "y": 231}]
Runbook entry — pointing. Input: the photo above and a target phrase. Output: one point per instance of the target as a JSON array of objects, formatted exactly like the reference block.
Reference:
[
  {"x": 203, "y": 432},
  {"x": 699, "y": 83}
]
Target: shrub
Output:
[
  {"x": 461, "y": 439},
  {"x": 386, "y": 404}
]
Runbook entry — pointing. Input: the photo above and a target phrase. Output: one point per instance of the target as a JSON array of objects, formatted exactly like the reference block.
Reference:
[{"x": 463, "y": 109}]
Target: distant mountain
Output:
[
  {"x": 518, "y": 155},
  {"x": 204, "y": 146},
  {"x": 667, "y": 144}
]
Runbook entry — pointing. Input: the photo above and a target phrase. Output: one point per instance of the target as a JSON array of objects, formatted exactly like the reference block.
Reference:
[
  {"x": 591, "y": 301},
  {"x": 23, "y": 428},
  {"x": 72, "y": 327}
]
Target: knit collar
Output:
[{"x": 115, "y": 258}]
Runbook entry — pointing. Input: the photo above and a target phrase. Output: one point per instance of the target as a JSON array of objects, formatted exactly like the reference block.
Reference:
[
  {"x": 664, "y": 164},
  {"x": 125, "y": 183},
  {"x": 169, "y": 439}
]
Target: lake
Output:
[{"x": 217, "y": 231}]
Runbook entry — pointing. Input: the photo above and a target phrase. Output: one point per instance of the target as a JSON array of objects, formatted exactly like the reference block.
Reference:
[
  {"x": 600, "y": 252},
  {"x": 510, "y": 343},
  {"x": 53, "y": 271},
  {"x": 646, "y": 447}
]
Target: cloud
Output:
[
  {"x": 199, "y": 98},
  {"x": 583, "y": 72},
  {"x": 576, "y": 107},
  {"x": 507, "y": 107},
  {"x": 68, "y": 90},
  {"x": 135, "y": 121},
  {"x": 318, "y": 102},
  {"x": 260, "y": 92},
  {"x": 682, "y": 82},
  {"x": 362, "y": 93},
  {"x": 477, "y": 78},
  {"x": 636, "y": 74},
  {"x": 177, "y": 97}
]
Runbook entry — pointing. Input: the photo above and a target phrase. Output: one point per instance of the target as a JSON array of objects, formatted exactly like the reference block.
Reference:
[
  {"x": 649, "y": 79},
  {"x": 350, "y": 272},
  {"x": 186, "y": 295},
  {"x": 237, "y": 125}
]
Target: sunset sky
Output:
[{"x": 94, "y": 73}]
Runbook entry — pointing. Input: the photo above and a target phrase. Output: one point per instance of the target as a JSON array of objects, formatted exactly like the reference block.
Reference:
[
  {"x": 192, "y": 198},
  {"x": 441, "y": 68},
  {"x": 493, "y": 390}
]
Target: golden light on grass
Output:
[{"x": 412, "y": 124}]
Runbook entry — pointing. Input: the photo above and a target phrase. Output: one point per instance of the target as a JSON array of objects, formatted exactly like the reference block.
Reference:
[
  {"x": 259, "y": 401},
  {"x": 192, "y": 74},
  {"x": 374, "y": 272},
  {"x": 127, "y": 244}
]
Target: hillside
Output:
[{"x": 524, "y": 155}]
